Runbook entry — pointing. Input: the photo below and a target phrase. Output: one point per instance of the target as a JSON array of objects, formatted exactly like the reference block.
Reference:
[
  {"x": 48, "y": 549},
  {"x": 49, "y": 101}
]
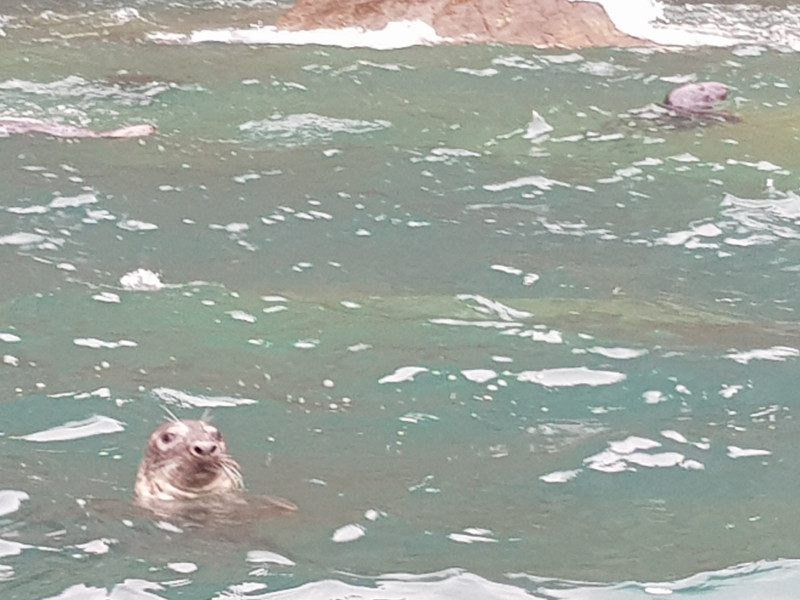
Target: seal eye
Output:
[{"x": 167, "y": 437}]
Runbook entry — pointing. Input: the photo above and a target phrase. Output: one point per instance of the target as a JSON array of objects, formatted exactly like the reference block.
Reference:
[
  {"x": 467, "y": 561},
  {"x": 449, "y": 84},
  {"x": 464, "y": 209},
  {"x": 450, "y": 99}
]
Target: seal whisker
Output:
[
  {"x": 231, "y": 468},
  {"x": 170, "y": 415}
]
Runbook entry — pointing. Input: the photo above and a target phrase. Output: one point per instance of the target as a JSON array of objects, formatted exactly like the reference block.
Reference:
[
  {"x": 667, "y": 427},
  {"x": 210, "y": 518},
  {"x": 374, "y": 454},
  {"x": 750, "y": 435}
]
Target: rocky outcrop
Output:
[{"x": 541, "y": 23}]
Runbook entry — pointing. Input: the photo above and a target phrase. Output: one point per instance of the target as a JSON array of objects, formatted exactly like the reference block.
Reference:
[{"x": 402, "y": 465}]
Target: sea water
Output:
[{"x": 496, "y": 325}]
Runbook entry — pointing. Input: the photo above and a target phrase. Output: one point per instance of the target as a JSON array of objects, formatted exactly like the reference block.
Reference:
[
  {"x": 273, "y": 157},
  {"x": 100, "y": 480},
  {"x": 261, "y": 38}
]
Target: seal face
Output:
[{"x": 186, "y": 461}]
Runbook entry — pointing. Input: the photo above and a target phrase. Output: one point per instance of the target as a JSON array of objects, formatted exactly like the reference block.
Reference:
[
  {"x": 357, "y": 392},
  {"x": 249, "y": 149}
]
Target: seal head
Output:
[{"x": 185, "y": 461}]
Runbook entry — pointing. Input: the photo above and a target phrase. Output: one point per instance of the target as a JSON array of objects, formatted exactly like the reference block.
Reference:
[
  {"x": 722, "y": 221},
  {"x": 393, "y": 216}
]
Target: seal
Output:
[
  {"x": 187, "y": 473},
  {"x": 9, "y": 126},
  {"x": 186, "y": 461},
  {"x": 698, "y": 100}
]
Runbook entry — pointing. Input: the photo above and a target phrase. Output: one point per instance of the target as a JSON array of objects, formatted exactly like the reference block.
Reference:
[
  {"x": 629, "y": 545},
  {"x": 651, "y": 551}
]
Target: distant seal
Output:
[
  {"x": 187, "y": 473},
  {"x": 698, "y": 100},
  {"x": 11, "y": 126}
]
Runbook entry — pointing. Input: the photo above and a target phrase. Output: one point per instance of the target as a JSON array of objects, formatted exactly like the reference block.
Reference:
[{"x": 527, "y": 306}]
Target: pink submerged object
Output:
[{"x": 10, "y": 126}]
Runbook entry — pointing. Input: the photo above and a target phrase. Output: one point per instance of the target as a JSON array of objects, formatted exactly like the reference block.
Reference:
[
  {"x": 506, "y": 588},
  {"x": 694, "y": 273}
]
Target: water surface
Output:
[{"x": 495, "y": 331}]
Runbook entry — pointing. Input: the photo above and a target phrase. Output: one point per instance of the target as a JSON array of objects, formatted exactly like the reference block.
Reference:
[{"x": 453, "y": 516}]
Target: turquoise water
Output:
[{"x": 483, "y": 362}]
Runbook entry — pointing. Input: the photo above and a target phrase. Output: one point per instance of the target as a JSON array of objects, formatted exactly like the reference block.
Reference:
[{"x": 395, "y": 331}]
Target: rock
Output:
[{"x": 540, "y": 23}]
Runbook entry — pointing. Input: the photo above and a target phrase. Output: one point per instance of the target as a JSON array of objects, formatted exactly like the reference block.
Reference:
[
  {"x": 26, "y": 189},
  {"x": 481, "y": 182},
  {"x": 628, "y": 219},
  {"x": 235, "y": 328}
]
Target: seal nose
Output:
[{"x": 204, "y": 449}]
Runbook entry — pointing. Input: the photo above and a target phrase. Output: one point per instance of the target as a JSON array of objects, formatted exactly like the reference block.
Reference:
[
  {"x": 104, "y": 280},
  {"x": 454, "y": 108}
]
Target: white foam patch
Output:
[
  {"x": 537, "y": 181},
  {"x": 27, "y": 210},
  {"x": 306, "y": 344},
  {"x": 729, "y": 391},
  {"x": 690, "y": 236},
  {"x": 187, "y": 400},
  {"x": 530, "y": 278},
  {"x": 548, "y": 337},
  {"x": 265, "y": 556},
  {"x": 308, "y": 127},
  {"x": 98, "y": 344},
  {"x": 443, "y": 154},
  {"x": 692, "y": 465},
  {"x": 560, "y": 476},
  {"x": 402, "y": 374},
  {"x": 569, "y": 377},
  {"x": 108, "y": 297},
  {"x": 760, "y": 221},
  {"x": 654, "y": 397},
  {"x": 736, "y": 452},
  {"x": 240, "y": 315},
  {"x": 661, "y": 459},
  {"x": 488, "y": 72},
  {"x": 618, "y": 353},
  {"x": 675, "y": 436},
  {"x": 167, "y": 526},
  {"x": 129, "y": 589},
  {"x": 9, "y": 338},
  {"x": 397, "y": 34},
  {"x": 275, "y": 308},
  {"x": 479, "y": 375},
  {"x": 73, "y": 430},
  {"x": 136, "y": 225},
  {"x": 762, "y": 165},
  {"x": 506, "y": 269},
  {"x": 73, "y": 201},
  {"x": 776, "y": 353},
  {"x": 630, "y": 453},
  {"x": 230, "y": 227},
  {"x": 102, "y": 392},
  {"x": 493, "y": 307},
  {"x": 631, "y": 444},
  {"x": 141, "y": 280},
  {"x": 99, "y": 546},
  {"x": 348, "y": 533},
  {"x": 10, "y": 501},
  {"x": 9, "y": 548},
  {"x": 184, "y": 568},
  {"x": 480, "y": 324},
  {"x": 417, "y": 417},
  {"x": 472, "y": 535},
  {"x": 361, "y": 347},
  {"x": 21, "y": 239}
]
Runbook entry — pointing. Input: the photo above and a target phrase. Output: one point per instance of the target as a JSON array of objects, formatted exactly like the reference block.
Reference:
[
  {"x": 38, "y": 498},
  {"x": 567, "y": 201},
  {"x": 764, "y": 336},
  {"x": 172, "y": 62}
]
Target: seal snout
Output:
[{"x": 204, "y": 449}]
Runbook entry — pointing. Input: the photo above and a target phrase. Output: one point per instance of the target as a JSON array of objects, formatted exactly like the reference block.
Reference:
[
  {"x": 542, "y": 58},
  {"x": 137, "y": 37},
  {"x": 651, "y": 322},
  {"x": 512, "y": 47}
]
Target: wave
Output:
[
  {"x": 776, "y": 580},
  {"x": 706, "y": 24},
  {"x": 398, "y": 34}
]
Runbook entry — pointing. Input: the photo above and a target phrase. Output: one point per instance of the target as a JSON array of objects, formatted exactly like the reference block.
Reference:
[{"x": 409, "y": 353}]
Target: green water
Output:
[{"x": 323, "y": 217}]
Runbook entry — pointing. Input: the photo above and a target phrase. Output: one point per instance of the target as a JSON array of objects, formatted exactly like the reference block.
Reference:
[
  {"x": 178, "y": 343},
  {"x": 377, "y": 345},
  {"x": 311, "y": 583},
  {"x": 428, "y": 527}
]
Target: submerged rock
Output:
[{"x": 540, "y": 23}]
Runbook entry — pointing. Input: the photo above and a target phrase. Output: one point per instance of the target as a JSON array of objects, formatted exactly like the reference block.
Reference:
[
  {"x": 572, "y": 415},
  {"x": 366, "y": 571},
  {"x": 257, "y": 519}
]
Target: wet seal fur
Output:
[{"x": 187, "y": 473}]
